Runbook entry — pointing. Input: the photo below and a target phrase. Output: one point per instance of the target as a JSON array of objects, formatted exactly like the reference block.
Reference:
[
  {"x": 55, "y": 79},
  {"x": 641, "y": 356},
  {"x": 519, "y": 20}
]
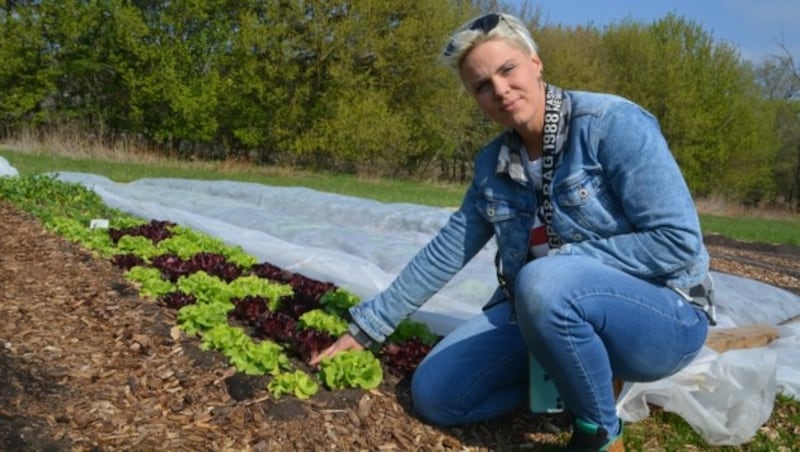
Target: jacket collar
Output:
[{"x": 509, "y": 160}]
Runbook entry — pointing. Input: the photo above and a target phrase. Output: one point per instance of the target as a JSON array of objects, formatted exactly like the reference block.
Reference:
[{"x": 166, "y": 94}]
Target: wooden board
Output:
[{"x": 751, "y": 336}]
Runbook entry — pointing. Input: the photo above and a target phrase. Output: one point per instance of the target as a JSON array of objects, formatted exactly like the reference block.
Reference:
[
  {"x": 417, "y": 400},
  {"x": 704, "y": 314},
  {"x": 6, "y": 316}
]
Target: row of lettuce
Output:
[{"x": 265, "y": 320}]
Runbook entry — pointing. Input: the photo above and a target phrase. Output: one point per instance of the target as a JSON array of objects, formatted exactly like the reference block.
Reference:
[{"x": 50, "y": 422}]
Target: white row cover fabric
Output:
[
  {"x": 361, "y": 245},
  {"x": 6, "y": 169}
]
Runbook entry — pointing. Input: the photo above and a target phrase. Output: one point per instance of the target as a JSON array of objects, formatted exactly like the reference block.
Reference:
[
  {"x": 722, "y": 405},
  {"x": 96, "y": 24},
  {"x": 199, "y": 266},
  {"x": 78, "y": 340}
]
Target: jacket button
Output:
[
  {"x": 583, "y": 193},
  {"x": 577, "y": 237},
  {"x": 490, "y": 211}
]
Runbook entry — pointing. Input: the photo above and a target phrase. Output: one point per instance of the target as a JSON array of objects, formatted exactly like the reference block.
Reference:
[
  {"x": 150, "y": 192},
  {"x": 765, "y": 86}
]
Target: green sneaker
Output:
[{"x": 590, "y": 437}]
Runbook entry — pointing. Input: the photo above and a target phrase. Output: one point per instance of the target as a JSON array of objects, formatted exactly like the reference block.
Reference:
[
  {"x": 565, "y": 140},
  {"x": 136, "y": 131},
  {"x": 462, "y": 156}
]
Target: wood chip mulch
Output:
[{"x": 85, "y": 364}]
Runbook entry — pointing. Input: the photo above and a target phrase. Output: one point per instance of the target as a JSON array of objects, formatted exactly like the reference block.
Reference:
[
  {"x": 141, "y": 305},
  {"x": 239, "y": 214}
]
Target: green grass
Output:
[
  {"x": 439, "y": 195},
  {"x": 669, "y": 432},
  {"x": 748, "y": 229},
  {"x": 751, "y": 229}
]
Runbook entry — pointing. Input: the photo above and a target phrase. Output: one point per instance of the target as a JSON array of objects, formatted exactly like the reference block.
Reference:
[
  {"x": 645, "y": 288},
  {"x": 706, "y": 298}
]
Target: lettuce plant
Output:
[
  {"x": 323, "y": 321},
  {"x": 201, "y": 317},
  {"x": 247, "y": 356},
  {"x": 296, "y": 383},
  {"x": 338, "y": 300},
  {"x": 150, "y": 282},
  {"x": 351, "y": 369},
  {"x": 409, "y": 329}
]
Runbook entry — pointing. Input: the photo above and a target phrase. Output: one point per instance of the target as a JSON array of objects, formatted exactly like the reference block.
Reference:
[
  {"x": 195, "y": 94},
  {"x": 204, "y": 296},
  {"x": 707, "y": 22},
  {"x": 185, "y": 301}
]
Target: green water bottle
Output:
[{"x": 543, "y": 394}]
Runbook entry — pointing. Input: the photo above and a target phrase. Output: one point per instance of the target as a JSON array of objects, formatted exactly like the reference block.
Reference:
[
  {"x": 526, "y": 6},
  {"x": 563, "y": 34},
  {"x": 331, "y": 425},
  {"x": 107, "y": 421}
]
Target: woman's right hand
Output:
[{"x": 344, "y": 343}]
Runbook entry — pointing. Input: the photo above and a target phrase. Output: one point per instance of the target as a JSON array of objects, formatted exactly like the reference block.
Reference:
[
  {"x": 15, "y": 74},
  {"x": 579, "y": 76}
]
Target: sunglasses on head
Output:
[{"x": 484, "y": 23}]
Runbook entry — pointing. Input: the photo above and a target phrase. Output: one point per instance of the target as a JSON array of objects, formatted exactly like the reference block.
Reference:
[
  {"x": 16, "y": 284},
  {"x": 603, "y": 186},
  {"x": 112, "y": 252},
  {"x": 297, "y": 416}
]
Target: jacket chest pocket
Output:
[
  {"x": 511, "y": 226},
  {"x": 584, "y": 199},
  {"x": 496, "y": 211}
]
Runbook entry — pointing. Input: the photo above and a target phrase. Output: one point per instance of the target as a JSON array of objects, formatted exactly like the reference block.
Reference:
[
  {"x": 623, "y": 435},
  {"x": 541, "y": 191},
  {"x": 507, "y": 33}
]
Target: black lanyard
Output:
[{"x": 554, "y": 98}]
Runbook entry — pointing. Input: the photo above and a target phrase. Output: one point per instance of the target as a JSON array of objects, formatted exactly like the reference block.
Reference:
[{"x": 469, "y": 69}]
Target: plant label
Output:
[{"x": 98, "y": 223}]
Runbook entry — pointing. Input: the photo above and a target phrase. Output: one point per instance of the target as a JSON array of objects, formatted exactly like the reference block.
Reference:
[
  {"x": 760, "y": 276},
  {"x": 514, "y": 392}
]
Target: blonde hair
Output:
[{"x": 493, "y": 26}]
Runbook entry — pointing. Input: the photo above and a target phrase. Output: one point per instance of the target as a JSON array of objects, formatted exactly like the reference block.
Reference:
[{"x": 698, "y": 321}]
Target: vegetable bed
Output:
[
  {"x": 98, "y": 352},
  {"x": 264, "y": 319}
]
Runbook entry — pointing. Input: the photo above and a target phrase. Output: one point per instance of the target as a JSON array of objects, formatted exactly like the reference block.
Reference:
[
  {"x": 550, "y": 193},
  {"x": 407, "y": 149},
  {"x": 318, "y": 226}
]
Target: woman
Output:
[{"x": 599, "y": 250}]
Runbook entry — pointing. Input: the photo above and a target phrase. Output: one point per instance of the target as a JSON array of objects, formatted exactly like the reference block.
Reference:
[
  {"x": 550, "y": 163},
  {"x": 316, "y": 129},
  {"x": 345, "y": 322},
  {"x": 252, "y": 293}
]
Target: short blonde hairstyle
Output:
[{"x": 493, "y": 26}]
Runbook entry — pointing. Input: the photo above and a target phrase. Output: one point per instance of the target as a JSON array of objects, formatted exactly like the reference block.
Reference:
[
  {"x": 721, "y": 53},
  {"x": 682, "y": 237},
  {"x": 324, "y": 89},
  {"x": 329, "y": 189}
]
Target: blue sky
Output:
[{"x": 754, "y": 27}]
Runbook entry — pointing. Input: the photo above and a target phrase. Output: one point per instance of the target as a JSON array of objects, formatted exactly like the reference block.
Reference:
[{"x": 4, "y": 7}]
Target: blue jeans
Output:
[{"x": 583, "y": 321}]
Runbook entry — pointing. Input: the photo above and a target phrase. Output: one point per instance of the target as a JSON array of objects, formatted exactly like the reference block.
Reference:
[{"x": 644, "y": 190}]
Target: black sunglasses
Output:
[{"x": 484, "y": 23}]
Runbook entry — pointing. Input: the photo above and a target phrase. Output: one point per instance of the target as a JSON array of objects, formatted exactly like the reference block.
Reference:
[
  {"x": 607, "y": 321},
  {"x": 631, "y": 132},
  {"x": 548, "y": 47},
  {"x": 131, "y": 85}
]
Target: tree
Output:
[
  {"x": 384, "y": 105},
  {"x": 264, "y": 91},
  {"x": 704, "y": 98},
  {"x": 175, "y": 83},
  {"x": 26, "y": 79},
  {"x": 779, "y": 76},
  {"x": 572, "y": 56}
]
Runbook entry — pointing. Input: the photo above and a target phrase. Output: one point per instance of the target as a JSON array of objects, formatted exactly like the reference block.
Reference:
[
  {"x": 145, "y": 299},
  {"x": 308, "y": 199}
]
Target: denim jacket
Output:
[{"x": 618, "y": 194}]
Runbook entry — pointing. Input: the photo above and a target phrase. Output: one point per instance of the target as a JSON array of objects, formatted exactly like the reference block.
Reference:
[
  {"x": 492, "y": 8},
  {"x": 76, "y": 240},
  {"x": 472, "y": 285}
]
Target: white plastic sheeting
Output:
[
  {"x": 361, "y": 245},
  {"x": 355, "y": 243},
  {"x": 6, "y": 169}
]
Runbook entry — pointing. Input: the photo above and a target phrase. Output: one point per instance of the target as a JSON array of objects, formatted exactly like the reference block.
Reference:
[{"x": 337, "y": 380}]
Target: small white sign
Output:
[{"x": 98, "y": 223}]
